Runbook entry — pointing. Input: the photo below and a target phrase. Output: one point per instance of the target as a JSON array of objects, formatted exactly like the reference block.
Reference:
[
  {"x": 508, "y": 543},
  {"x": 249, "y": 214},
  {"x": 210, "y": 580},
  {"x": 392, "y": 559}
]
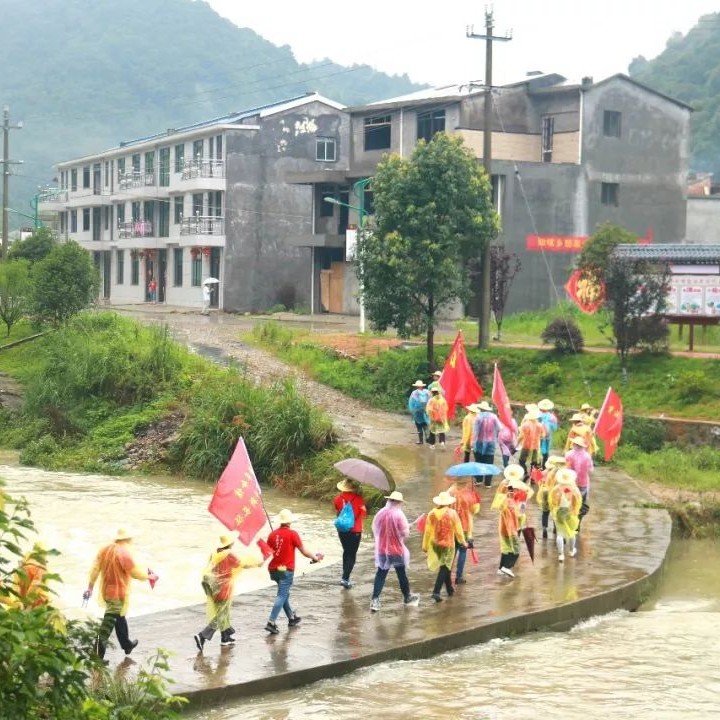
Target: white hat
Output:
[
  {"x": 472, "y": 407},
  {"x": 579, "y": 441},
  {"x": 484, "y": 405},
  {"x": 546, "y": 404},
  {"x": 555, "y": 461},
  {"x": 395, "y": 495},
  {"x": 418, "y": 384},
  {"x": 565, "y": 476},
  {"x": 285, "y": 517},
  {"x": 586, "y": 406},
  {"x": 123, "y": 534},
  {"x": 437, "y": 373},
  {"x": 347, "y": 485},
  {"x": 444, "y": 498},
  {"x": 226, "y": 540},
  {"x": 533, "y": 412},
  {"x": 513, "y": 472},
  {"x": 577, "y": 417}
]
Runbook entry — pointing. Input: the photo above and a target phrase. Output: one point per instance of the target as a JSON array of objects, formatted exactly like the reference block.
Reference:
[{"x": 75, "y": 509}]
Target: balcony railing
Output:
[
  {"x": 135, "y": 229},
  {"x": 200, "y": 168},
  {"x": 135, "y": 179},
  {"x": 53, "y": 195},
  {"x": 203, "y": 225}
]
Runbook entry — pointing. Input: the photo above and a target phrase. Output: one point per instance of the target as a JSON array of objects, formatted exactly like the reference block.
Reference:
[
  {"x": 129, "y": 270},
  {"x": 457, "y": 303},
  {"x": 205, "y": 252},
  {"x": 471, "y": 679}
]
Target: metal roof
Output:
[{"x": 678, "y": 253}]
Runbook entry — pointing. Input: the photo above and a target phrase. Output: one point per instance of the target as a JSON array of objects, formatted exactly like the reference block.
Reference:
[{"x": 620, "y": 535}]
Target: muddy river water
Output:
[{"x": 661, "y": 662}]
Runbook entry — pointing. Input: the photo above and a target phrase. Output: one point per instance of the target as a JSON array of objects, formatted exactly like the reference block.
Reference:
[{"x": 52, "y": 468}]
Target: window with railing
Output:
[
  {"x": 203, "y": 225},
  {"x": 73, "y": 180},
  {"x": 134, "y": 268},
  {"x": 203, "y": 168},
  {"x": 164, "y": 180},
  {"x": 178, "y": 206},
  {"x": 134, "y": 229},
  {"x": 135, "y": 179},
  {"x": 179, "y": 158}
]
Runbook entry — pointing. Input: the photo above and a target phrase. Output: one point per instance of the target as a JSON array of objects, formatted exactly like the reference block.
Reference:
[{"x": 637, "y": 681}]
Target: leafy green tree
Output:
[
  {"x": 34, "y": 248},
  {"x": 433, "y": 213},
  {"x": 597, "y": 250},
  {"x": 66, "y": 282},
  {"x": 15, "y": 291}
]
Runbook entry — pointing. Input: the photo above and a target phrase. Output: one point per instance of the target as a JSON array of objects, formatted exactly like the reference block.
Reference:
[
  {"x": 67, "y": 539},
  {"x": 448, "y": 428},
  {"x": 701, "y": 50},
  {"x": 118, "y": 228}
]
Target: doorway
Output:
[
  {"x": 107, "y": 261},
  {"x": 162, "y": 274},
  {"x": 215, "y": 273}
]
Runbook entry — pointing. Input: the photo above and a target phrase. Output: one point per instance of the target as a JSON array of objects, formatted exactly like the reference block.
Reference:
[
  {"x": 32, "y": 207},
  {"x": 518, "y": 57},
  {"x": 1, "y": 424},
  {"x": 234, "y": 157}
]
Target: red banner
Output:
[
  {"x": 458, "y": 380},
  {"x": 555, "y": 243},
  {"x": 237, "y": 502},
  {"x": 585, "y": 291},
  {"x": 609, "y": 423},
  {"x": 501, "y": 400}
]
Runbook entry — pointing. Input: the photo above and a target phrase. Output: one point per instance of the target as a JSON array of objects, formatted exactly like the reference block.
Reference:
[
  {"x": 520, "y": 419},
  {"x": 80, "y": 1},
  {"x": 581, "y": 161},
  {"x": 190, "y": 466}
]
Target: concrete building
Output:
[
  {"x": 208, "y": 200},
  {"x": 566, "y": 157}
]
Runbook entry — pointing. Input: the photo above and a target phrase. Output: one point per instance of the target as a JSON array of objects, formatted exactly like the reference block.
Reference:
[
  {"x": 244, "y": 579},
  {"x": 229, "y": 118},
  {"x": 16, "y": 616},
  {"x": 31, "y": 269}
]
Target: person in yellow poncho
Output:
[
  {"x": 510, "y": 516},
  {"x": 437, "y": 410},
  {"x": 565, "y": 503},
  {"x": 443, "y": 531},
  {"x": 580, "y": 429},
  {"x": 467, "y": 504},
  {"x": 115, "y": 565},
  {"x": 554, "y": 462},
  {"x": 467, "y": 428},
  {"x": 219, "y": 583}
]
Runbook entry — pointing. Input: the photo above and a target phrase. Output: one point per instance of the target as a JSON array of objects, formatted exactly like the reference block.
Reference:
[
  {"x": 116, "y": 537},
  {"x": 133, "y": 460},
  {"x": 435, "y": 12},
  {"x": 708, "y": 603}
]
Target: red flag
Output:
[
  {"x": 237, "y": 502},
  {"x": 458, "y": 380},
  {"x": 501, "y": 400},
  {"x": 608, "y": 425}
]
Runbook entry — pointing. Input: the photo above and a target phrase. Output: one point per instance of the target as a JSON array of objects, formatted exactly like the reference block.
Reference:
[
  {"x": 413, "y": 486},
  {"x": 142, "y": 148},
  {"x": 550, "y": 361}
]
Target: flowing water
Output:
[{"x": 662, "y": 662}]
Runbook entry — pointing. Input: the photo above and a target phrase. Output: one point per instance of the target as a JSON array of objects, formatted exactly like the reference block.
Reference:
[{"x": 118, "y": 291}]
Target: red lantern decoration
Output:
[
  {"x": 195, "y": 251},
  {"x": 206, "y": 251},
  {"x": 586, "y": 291}
]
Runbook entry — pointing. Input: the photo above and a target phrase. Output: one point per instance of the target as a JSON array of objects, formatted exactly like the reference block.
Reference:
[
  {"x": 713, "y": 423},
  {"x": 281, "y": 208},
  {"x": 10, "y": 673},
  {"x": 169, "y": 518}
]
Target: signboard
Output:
[
  {"x": 694, "y": 295},
  {"x": 691, "y": 299},
  {"x": 569, "y": 243},
  {"x": 350, "y": 244},
  {"x": 712, "y": 300}
]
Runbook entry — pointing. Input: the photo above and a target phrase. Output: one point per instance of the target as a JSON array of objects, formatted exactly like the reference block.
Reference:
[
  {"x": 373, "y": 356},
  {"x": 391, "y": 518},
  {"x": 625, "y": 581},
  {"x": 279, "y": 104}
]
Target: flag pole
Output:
[{"x": 604, "y": 405}]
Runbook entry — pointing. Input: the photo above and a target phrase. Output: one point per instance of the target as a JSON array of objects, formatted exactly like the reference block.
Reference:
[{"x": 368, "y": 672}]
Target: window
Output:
[
  {"x": 326, "y": 209},
  {"x": 611, "y": 123},
  {"x": 325, "y": 149},
  {"x": 609, "y": 193},
  {"x": 179, "y": 207},
  {"x": 377, "y": 133},
  {"x": 196, "y": 270},
  {"x": 429, "y": 123},
  {"x": 163, "y": 218},
  {"x": 121, "y": 213},
  {"x": 86, "y": 219},
  {"x": 198, "y": 149},
  {"x": 219, "y": 147},
  {"x": 548, "y": 128},
  {"x": 135, "y": 208},
  {"x": 86, "y": 176},
  {"x": 120, "y": 267},
  {"x": 121, "y": 167},
  {"x": 107, "y": 173},
  {"x": 177, "y": 267},
  {"x": 179, "y": 157},
  {"x": 197, "y": 204},
  {"x": 164, "y": 167},
  {"x": 215, "y": 203},
  {"x": 149, "y": 211},
  {"x": 73, "y": 179},
  {"x": 134, "y": 269},
  {"x": 73, "y": 221},
  {"x": 149, "y": 161},
  {"x": 136, "y": 162},
  {"x": 63, "y": 222},
  {"x": 106, "y": 217}
]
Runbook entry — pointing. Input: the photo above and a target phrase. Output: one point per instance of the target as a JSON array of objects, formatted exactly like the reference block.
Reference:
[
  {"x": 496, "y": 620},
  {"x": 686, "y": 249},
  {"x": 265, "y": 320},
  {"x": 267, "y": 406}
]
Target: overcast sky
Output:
[{"x": 427, "y": 40}]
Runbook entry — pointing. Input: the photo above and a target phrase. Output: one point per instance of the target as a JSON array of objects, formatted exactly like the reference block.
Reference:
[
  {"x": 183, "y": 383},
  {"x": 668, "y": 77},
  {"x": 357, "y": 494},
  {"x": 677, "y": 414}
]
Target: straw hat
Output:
[
  {"x": 484, "y": 405},
  {"x": 418, "y": 384},
  {"x": 565, "y": 476},
  {"x": 473, "y": 408},
  {"x": 284, "y": 517},
  {"x": 225, "y": 541},
  {"x": 444, "y": 498},
  {"x": 577, "y": 417},
  {"x": 517, "y": 484},
  {"x": 434, "y": 390},
  {"x": 437, "y": 373},
  {"x": 586, "y": 406},
  {"x": 395, "y": 495},
  {"x": 546, "y": 404},
  {"x": 555, "y": 461},
  {"x": 579, "y": 441},
  {"x": 123, "y": 534},
  {"x": 347, "y": 485},
  {"x": 513, "y": 472},
  {"x": 533, "y": 413},
  {"x": 531, "y": 406}
]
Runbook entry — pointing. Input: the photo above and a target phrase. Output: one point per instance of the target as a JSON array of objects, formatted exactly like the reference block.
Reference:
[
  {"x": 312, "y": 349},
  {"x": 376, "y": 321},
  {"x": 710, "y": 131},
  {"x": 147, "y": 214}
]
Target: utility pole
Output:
[
  {"x": 489, "y": 38},
  {"x": 6, "y": 162}
]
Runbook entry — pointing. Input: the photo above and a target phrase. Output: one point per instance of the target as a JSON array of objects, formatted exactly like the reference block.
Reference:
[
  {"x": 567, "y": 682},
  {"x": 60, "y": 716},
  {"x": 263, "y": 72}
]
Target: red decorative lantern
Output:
[
  {"x": 195, "y": 251},
  {"x": 586, "y": 291},
  {"x": 206, "y": 251}
]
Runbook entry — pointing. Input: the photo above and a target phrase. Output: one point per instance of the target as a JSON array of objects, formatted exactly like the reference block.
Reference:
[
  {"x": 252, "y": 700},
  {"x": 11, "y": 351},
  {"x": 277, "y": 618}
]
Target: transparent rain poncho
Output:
[
  {"x": 442, "y": 531},
  {"x": 390, "y": 528},
  {"x": 115, "y": 564},
  {"x": 565, "y": 502}
]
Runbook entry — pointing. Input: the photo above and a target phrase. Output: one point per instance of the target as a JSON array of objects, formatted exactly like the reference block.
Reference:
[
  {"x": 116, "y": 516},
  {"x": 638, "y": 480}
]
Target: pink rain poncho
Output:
[{"x": 390, "y": 528}]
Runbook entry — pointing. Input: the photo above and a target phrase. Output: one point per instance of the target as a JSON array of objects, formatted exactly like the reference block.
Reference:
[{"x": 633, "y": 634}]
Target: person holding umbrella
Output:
[
  {"x": 391, "y": 528},
  {"x": 350, "y": 537},
  {"x": 443, "y": 531},
  {"x": 467, "y": 504},
  {"x": 565, "y": 503},
  {"x": 417, "y": 404}
]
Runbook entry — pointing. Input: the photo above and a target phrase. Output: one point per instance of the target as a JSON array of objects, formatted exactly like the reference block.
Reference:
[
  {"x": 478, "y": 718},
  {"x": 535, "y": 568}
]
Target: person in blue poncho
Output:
[
  {"x": 549, "y": 421},
  {"x": 416, "y": 404}
]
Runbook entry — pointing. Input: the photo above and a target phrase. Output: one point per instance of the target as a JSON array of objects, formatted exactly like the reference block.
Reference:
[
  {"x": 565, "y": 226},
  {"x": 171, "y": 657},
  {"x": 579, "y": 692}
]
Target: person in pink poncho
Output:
[{"x": 390, "y": 528}]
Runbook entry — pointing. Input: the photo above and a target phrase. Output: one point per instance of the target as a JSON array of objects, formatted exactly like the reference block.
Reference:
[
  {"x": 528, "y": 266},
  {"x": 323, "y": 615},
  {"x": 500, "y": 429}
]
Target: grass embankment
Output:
[
  {"x": 93, "y": 386},
  {"x": 678, "y": 386}
]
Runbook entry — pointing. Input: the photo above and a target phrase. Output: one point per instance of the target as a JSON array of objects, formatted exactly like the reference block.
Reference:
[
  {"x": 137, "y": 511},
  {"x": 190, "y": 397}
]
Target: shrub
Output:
[
  {"x": 564, "y": 334},
  {"x": 645, "y": 434},
  {"x": 653, "y": 333},
  {"x": 549, "y": 374},
  {"x": 692, "y": 385},
  {"x": 277, "y": 308}
]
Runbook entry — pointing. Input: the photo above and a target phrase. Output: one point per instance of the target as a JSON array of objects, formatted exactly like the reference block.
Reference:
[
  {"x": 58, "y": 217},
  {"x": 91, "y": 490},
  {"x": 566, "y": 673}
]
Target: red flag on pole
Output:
[
  {"x": 501, "y": 400},
  {"x": 237, "y": 502},
  {"x": 458, "y": 380},
  {"x": 609, "y": 423}
]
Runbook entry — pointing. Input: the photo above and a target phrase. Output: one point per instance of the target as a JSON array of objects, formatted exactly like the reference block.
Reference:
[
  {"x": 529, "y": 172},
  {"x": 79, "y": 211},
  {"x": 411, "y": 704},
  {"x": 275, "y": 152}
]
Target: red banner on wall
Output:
[{"x": 555, "y": 243}]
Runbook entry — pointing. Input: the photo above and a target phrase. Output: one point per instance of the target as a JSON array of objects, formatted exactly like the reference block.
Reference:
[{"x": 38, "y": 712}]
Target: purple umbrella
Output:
[{"x": 364, "y": 472}]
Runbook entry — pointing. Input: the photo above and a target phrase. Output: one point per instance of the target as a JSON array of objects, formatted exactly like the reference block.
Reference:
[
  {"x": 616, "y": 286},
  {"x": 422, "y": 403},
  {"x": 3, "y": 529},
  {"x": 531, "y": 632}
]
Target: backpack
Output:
[
  {"x": 210, "y": 583},
  {"x": 345, "y": 521}
]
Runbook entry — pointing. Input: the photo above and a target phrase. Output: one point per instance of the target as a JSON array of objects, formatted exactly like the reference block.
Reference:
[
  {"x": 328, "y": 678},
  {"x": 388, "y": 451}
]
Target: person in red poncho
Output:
[{"x": 350, "y": 539}]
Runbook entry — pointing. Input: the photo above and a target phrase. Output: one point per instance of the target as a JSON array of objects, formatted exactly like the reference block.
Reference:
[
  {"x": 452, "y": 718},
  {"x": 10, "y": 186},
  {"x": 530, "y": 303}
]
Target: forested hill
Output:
[
  {"x": 689, "y": 70},
  {"x": 84, "y": 75}
]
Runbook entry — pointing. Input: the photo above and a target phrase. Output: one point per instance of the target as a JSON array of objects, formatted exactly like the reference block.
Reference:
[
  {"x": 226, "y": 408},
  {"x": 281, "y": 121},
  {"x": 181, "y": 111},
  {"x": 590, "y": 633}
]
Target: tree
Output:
[
  {"x": 15, "y": 291},
  {"x": 503, "y": 268},
  {"x": 433, "y": 213},
  {"x": 66, "y": 282},
  {"x": 34, "y": 248}
]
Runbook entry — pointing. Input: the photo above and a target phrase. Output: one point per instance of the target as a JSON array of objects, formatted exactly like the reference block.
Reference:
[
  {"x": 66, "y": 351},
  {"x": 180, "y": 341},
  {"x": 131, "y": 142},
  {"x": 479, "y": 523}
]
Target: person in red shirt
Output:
[
  {"x": 283, "y": 542},
  {"x": 350, "y": 539}
]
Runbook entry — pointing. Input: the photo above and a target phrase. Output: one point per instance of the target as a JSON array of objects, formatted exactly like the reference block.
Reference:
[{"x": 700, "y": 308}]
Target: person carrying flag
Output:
[
  {"x": 417, "y": 405},
  {"x": 579, "y": 428},
  {"x": 486, "y": 429}
]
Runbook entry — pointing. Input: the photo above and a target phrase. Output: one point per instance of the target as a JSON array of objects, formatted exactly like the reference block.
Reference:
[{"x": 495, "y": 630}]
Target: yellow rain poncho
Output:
[
  {"x": 508, "y": 523},
  {"x": 116, "y": 567},
  {"x": 219, "y": 581},
  {"x": 546, "y": 486},
  {"x": 565, "y": 501},
  {"x": 467, "y": 505},
  {"x": 442, "y": 530}
]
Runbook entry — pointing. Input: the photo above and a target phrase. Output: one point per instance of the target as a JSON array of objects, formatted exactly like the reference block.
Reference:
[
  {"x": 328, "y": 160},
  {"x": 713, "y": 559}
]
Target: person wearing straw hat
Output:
[
  {"x": 589, "y": 413},
  {"x": 417, "y": 405},
  {"x": 465, "y": 445},
  {"x": 437, "y": 410},
  {"x": 435, "y": 384},
  {"x": 580, "y": 460},
  {"x": 530, "y": 435},
  {"x": 509, "y": 517},
  {"x": 549, "y": 421},
  {"x": 554, "y": 462},
  {"x": 443, "y": 532},
  {"x": 580, "y": 428},
  {"x": 565, "y": 504},
  {"x": 467, "y": 505},
  {"x": 115, "y": 566},
  {"x": 507, "y": 440},
  {"x": 284, "y": 542},
  {"x": 350, "y": 539},
  {"x": 219, "y": 583},
  {"x": 391, "y": 528},
  {"x": 486, "y": 430}
]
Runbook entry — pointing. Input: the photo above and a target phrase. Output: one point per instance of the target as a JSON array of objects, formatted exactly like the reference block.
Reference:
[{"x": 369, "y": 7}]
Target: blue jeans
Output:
[
  {"x": 284, "y": 582},
  {"x": 381, "y": 575},
  {"x": 461, "y": 555}
]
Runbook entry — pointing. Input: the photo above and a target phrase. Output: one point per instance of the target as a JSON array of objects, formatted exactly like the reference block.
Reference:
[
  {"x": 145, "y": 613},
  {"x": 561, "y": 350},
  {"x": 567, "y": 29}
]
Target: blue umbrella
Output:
[{"x": 472, "y": 468}]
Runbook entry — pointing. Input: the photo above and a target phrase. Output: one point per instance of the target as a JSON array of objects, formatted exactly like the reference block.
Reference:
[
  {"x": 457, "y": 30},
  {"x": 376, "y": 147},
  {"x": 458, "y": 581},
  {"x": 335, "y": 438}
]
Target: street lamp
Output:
[{"x": 359, "y": 191}]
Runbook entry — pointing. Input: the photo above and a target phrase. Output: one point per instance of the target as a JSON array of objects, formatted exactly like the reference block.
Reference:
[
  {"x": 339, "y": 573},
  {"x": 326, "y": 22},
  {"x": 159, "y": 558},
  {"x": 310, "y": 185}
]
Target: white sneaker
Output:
[
  {"x": 500, "y": 572},
  {"x": 375, "y": 605},
  {"x": 432, "y": 447},
  {"x": 442, "y": 445},
  {"x": 573, "y": 552},
  {"x": 561, "y": 558},
  {"x": 508, "y": 572}
]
